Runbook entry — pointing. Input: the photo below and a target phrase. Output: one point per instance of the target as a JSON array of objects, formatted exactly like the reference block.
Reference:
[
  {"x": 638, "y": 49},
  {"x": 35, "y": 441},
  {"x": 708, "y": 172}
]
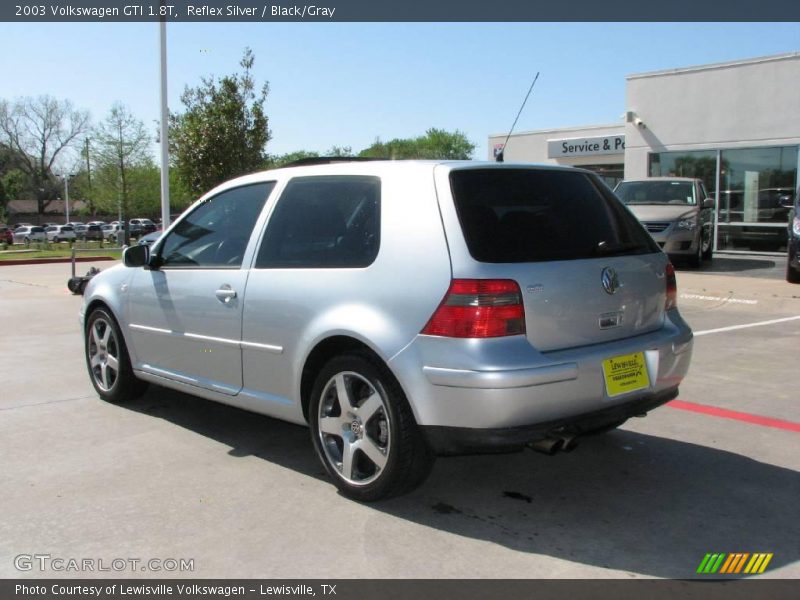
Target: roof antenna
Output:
[{"x": 499, "y": 157}]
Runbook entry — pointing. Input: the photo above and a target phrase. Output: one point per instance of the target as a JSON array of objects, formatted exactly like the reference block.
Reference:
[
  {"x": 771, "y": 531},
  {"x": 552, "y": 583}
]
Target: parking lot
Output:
[{"x": 174, "y": 477}]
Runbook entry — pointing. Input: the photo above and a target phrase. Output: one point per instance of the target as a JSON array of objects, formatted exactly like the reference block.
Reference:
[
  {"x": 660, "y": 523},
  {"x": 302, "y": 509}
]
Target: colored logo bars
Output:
[{"x": 731, "y": 564}]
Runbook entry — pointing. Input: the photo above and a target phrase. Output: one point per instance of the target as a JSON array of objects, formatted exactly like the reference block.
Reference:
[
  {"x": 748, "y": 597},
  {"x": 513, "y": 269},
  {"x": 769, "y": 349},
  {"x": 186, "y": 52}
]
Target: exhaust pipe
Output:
[
  {"x": 553, "y": 444},
  {"x": 548, "y": 446},
  {"x": 569, "y": 443}
]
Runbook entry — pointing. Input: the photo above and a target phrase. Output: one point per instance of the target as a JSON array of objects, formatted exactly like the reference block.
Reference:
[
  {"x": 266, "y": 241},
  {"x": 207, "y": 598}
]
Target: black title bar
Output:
[{"x": 399, "y": 10}]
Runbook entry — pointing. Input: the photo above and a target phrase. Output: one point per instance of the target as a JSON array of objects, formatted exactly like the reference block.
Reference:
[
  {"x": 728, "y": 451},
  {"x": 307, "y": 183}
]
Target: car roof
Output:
[{"x": 376, "y": 168}]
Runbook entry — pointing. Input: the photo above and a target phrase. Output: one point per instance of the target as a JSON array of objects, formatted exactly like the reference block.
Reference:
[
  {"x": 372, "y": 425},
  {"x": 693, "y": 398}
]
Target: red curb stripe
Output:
[
  {"x": 48, "y": 261},
  {"x": 737, "y": 416}
]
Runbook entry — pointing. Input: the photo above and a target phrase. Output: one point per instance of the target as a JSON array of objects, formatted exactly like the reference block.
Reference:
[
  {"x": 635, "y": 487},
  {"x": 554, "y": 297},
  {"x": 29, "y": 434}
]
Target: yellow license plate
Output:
[{"x": 625, "y": 373}]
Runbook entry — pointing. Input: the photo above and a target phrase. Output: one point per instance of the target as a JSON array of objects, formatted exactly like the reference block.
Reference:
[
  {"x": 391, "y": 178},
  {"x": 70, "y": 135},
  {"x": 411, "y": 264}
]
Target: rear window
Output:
[
  {"x": 37, "y": 229},
  {"x": 530, "y": 215}
]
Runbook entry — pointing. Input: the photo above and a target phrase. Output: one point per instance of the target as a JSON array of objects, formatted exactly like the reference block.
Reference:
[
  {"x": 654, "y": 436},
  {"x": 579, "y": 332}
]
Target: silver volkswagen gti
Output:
[{"x": 401, "y": 309}]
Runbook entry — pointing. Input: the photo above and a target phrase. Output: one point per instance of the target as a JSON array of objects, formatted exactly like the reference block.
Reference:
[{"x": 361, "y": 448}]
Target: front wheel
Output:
[
  {"x": 792, "y": 274},
  {"x": 364, "y": 432},
  {"x": 708, "y": 244},
  {"x": 108, "y": 361}
]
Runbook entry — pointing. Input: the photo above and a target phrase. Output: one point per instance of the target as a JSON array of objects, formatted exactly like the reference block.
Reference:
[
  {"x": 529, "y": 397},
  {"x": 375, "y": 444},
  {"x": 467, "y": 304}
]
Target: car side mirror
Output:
[
  {"x": 136, "y": 256},
  {"x": 708, "y": 203}
]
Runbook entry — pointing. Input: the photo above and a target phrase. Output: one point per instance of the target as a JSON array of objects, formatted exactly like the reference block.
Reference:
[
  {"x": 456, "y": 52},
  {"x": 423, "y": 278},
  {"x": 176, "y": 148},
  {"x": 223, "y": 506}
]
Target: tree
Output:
[
  {"x": 122, "y": 147},
  {"x": 435, "y": 144},
  {"x": 281, "y": 160},
  {"x": 39, "y": 130},
  {"x": 224, "y": 130}
]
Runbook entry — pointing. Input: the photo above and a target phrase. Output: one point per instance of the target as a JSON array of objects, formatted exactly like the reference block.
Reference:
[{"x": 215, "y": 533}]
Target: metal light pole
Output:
[
  {"x": 66, "y": 194},
  {"x": 164, "y": 128}
]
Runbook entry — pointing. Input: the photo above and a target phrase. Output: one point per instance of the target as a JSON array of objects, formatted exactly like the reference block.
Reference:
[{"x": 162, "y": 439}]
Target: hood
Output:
[{"x": 662, "y": 212}]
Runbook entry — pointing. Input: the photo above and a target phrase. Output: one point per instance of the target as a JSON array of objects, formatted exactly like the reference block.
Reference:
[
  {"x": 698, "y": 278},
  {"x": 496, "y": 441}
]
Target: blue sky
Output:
[{"x": 347, "y": 84}]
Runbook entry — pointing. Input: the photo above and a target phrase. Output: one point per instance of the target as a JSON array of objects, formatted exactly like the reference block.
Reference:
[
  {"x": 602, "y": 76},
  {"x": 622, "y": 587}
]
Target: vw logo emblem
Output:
[{"x": 609, "y": 280}]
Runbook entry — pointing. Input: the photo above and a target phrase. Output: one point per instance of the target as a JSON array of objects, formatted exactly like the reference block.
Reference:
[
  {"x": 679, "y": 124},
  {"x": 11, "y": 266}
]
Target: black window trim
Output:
[{"x": 158, "y": 259}]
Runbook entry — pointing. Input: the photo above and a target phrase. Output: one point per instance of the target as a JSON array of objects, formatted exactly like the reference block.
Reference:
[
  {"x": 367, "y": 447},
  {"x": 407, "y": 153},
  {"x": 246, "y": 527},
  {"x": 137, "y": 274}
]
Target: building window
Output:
[
  {"x": 700, "y": 164},
  {"x": 756, "y": 190},
  {"x": 757, "y": 186}
]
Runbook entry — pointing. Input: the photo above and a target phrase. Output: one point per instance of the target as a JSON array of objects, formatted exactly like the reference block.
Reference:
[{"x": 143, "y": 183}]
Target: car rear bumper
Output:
[
  {"x": 464, "y": 440},
  {"x": 502, "y": 383}
]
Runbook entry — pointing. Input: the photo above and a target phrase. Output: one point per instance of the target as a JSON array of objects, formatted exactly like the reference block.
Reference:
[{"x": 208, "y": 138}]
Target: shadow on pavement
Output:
[
  {"x": 624, "y": 501},
  {"x": 771, "y": 267}
]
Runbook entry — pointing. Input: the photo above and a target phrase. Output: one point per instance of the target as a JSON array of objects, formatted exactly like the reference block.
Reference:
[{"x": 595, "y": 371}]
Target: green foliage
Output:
[
  {"x": 435, "y": 144},
  {"x": 276, "y": 162},
  {"x": 224, "y": 130}
]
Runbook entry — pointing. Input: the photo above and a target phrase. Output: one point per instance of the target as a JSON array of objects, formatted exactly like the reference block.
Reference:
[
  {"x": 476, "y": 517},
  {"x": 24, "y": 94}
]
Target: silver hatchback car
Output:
[{"x": 402, "y": 310}]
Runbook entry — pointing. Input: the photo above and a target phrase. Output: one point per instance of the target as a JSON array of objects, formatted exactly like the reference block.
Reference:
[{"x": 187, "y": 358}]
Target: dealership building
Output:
[{"x": 735, "y": 125}]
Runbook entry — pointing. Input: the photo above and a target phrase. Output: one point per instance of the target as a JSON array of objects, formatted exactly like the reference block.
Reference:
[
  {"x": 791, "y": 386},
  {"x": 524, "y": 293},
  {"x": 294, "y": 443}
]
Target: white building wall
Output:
[
  {"x": 732, "y": 105},
  {"x": 531, "y": 146}
]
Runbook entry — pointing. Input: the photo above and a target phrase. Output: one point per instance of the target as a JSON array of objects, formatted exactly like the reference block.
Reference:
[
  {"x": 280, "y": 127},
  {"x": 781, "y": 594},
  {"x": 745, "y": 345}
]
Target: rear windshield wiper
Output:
[{"x": 604, "y": 248}]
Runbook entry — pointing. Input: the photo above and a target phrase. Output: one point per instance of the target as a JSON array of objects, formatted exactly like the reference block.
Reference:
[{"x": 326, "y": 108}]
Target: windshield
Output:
[{"x": 656, "y": 192}]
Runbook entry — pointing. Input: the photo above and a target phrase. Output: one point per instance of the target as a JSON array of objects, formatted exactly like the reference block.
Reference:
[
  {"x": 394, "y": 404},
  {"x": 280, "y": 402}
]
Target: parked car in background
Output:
[
  {"x": 80, "y": 231},
  {"x": 93, "y": 232},
  {"x": 676, "y": 211},
  {"x": 27, "y": 234},
  {"x": 544, "y": 312},
  {"x": 18, "y": 225},
  {"x": 100, "y": 223},
  {"x": 141, "y": 227},
  {"x": 793, "y": 249},
  {"x": 60, "y": 233},
  {"x": 112, "y": 232}
]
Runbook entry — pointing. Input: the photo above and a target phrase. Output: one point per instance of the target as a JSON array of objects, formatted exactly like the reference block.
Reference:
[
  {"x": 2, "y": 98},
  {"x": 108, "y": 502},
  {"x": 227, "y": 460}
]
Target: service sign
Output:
[{"x": 586, "y": 146}]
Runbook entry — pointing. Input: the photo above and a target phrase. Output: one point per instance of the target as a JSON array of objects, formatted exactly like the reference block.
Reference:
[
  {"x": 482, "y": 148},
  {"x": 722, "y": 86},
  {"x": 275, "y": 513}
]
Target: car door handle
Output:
[{"x": 225, "y": 294}]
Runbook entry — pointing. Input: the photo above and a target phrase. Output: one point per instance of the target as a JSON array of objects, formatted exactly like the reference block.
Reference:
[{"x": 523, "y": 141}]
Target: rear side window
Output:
[
  {"x": 324, "y": 222},
  {"x": 530, "y": 215}
]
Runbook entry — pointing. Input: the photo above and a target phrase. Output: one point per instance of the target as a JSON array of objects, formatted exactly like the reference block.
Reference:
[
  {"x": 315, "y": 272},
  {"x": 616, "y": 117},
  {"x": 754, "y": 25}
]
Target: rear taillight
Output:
[
  {"x": 479, "y": 308},
  {"x": 672, "y": 287}
]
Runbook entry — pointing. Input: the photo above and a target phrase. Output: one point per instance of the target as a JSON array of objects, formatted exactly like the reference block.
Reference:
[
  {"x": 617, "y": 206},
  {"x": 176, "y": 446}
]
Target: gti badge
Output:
[{"x": 609, "y": 280}]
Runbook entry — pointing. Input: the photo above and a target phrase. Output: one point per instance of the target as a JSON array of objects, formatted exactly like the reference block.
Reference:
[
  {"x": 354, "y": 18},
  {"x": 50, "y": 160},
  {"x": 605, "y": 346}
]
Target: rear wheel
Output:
[
  {"x": 108, "y": 361},
  {"x": 364, "y": 432}
]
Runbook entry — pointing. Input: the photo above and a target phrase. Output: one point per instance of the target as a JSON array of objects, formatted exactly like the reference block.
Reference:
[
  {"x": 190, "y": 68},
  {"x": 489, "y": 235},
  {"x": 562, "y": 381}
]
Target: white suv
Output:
[{"x": 402, "y": 310}]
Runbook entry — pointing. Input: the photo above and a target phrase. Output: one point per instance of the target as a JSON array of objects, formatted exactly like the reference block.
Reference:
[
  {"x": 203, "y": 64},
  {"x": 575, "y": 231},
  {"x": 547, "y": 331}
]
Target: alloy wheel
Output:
[
  {"x": 354, "y": 428},
  {"x": 104, "y": 354}
]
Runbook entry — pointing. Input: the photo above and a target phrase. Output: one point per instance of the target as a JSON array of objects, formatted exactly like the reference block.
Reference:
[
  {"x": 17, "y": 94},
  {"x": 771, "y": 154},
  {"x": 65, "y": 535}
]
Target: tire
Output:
[
  {"x": 708, "y": 245},
  {"x": 697, "y": 258},
  {"x": 792, "y": 274},
  {"x": 107, "y": 359},
  {"x": 372, "y": 448}
]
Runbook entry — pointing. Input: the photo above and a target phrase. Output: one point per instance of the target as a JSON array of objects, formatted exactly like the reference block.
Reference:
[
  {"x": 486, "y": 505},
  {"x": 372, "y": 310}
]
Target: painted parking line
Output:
[
  {"x": 722, "y": 299},
  {"x": 724, "y": 413},
  {"x": 734, "y": 327}
]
